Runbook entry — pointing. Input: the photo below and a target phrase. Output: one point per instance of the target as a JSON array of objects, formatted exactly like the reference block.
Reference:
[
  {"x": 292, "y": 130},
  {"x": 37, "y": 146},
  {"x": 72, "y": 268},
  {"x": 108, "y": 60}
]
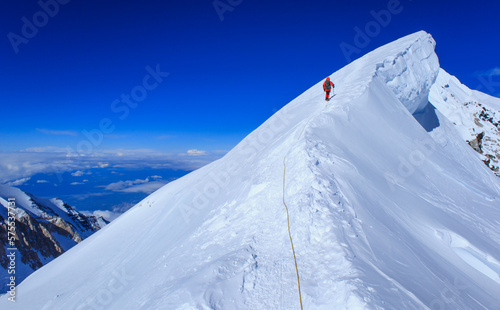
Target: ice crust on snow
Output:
[{"x": 384, "y": 214}]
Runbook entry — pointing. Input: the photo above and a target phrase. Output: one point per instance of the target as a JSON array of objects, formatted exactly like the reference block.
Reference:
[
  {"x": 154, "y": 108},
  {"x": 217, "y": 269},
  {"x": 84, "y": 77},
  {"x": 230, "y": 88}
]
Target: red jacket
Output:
[{"x": 324, "y": 85}]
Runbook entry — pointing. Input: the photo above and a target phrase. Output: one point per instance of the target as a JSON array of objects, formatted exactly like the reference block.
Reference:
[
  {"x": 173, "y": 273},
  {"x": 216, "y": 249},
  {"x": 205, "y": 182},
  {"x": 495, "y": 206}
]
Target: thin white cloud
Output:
[
  {"x": 45, "y": 149},
  {"x": 195, "y": 152},
  {"x": 57, "y": 132},
  {"x": 88, "y": 195},
  {"x": 147, "y": 188},
  {"x": 492, "y": 72},
  {"x": 76, "y": 183},
  {"x": 18, "y": 182},
  {"x": 78, "y": 173},
  {"x": 121, "y": 185},
  {"x": 156, "y": 177},
  {"x": 131, "y": 152},
  {"x": 42, "y": 181},
  {"x": 135, "y": 186}
]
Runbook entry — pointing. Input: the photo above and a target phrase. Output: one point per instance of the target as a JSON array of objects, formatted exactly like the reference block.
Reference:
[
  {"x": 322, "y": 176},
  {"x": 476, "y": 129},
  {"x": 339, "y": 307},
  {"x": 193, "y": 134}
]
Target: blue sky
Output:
[
  {"x": 226, "y": 77},
  {"x": 200, "y": 75}
]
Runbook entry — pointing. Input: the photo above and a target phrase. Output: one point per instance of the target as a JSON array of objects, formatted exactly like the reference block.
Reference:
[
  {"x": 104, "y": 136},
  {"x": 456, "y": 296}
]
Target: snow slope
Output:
[{"x": 383, "y": 214}]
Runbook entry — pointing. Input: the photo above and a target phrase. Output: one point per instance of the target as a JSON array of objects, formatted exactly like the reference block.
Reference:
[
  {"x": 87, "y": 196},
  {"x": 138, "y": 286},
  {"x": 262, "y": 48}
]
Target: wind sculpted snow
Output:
[{"x": 383, "y": 214}]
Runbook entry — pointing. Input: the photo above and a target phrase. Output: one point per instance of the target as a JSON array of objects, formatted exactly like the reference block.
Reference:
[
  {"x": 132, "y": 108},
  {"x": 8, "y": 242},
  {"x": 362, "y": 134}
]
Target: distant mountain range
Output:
[{"x": 44, "y": 229}]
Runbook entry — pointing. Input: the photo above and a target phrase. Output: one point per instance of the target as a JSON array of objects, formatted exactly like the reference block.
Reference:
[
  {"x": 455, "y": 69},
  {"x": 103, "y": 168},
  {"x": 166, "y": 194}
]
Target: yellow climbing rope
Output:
[
  {"x": 288, "y": 216},
  {"x": 290, "y": 234}
]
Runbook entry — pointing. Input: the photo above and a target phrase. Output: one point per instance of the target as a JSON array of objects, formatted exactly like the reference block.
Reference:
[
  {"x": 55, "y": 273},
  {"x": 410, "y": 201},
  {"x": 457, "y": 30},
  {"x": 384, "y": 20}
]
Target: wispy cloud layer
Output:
[
  {"x": 18, "y": 182},
  {"x": 45, "y": 149},
  {"x": 136, "y": 186},
  {"x": 195, "y": 152},
  {"x": 58, "y": 132},
  {"x": 146, "y": 188},
  {"x": 492, "y": 72},
  {"x": 15, "y": 166}
]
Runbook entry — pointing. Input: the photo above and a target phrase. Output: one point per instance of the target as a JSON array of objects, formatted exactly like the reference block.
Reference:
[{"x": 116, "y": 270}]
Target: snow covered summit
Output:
[{"x": 386, "y": 212}]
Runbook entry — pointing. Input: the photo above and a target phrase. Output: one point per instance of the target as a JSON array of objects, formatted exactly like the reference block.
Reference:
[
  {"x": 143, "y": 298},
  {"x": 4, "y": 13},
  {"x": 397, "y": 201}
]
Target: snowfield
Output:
[{"x": 386, "y": 212}]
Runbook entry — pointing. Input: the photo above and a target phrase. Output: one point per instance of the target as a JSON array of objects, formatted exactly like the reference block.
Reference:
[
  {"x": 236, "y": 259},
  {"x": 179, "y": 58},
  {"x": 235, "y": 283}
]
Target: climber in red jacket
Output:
[{"x": 327, "y": 87}]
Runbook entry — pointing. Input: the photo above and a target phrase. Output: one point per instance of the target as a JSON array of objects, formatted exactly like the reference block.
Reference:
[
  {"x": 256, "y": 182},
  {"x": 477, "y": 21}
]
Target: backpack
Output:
[{"x": 328, "y": 85}]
